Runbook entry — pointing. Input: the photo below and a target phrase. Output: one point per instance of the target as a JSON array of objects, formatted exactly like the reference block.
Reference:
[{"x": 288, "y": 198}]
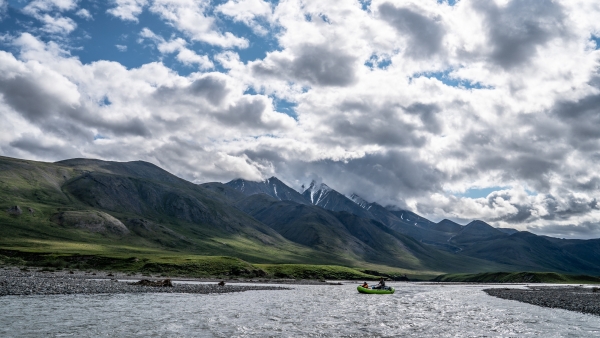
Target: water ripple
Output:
[{"x": 415, "y": 310}]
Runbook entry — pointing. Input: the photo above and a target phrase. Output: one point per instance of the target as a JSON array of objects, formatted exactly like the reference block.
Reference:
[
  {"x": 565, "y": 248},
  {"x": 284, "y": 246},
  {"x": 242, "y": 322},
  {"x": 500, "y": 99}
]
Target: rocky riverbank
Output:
[
  {"x": 18, "y": 282},
  {"x": 580, "y": 299}
]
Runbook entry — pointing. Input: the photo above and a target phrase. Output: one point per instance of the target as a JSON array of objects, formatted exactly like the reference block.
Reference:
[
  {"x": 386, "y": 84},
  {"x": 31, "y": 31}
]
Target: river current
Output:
[{"x": 415, "y": 310}]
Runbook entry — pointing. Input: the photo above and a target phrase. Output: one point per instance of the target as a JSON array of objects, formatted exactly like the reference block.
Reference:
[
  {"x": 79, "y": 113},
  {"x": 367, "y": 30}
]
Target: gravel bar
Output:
[
  {"x": 577, "y": 299},
  {"x": 15, "y": 282}
]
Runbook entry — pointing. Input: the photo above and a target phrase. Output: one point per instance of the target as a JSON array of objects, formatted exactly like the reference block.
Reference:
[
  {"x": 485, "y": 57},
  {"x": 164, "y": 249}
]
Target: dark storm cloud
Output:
[
  {"x": 317, "y": 64},
  {"x": 530, "y": 167},
  {"x": 53, "y": 115},
  {"x": 382, "y": 177},
  {"x": 397, "y": 170},
  {"x": 212, "y": 88},
  {"x": 573, "y": 207},
  {"x": 582, "y": 230},
  {"x": 34, "y": 146},
  {"x": 247, "y": 111},
  {"x": 425, "y": 35},
  {"x": 517, "y": 29},
  {"x": 377, "y": 131},
  {"x": 427, "y": 114},
  {"x": 380, "y": 123},
  {"x": 583, "y": 119}
]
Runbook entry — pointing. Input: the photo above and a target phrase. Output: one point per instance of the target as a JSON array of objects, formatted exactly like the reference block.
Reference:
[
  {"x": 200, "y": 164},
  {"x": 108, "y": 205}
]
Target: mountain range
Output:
[{"x": 129, "y": 206}]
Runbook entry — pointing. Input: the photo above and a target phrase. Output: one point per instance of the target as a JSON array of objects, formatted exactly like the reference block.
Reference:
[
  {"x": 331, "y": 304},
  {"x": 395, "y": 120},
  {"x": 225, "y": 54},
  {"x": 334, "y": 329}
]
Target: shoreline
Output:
[
  {"x": 17, "y": 282},
  {"x": 578, "y": 299}
]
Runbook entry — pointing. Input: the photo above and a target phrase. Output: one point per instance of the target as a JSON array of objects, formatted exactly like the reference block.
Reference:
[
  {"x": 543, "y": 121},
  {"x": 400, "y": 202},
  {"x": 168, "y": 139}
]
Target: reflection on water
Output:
[{"x": 415, "y": 310}]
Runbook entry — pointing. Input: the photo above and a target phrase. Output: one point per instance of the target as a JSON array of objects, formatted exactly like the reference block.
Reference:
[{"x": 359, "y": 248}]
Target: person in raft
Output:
[
  {"x": 381, "y": 284},
  {"x": 365, "y": 285}
]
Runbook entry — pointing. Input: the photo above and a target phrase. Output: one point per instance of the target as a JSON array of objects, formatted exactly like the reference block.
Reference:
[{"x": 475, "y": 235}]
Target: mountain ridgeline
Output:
[
  {"x": 500, "y": 247},
  {"x": 125, "y": 208}
]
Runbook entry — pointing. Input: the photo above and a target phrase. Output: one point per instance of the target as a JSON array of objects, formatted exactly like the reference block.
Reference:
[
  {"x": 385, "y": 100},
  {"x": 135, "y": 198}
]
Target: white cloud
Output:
[
  {"x": 53, "y": 24},
  {"x": 248, "y": 12},
  {"x": 53, "y": 96},
  {"x": 189, "y": 17},
  {"x": 84, "y": 14},
  {"x": 3, "y": 8},
  {"x": 178, "y": 45},
  {"x": 38, "y": 6},
  {"x": 128, "y": 10},
  {"x": 121, "y": 48}
]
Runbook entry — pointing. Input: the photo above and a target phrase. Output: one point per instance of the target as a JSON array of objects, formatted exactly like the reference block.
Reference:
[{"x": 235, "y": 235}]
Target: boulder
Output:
[{"x": 15, "y": 210}]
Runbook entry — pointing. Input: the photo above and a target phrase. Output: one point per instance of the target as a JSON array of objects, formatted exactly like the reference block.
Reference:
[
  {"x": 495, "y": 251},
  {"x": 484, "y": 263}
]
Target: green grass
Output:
[
  {"x": 519, "y": 277},
  {"x": 307, "y": 271}
]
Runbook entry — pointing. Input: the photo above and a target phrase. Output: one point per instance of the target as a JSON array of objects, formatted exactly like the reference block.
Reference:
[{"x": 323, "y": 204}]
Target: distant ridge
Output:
[{"x": 476, "y": 239}]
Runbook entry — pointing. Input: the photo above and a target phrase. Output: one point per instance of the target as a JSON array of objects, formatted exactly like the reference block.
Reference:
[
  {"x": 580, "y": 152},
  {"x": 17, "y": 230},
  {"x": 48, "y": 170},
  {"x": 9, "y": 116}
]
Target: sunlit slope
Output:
[{"x": 158, "y": 209}]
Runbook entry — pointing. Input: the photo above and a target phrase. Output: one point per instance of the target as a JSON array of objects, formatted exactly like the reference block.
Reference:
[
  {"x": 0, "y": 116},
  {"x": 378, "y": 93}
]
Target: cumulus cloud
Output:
[
  {"x": 54, "y": 23},
  {"x": 250, "y": 12},
  {"x": 178, "y": 45},
  {"x": 424, "y": 34},
  {"x": 516, "y": 29},
  {"x": 128, "y": 10},
  {"x": 189, "y": 17},
  {"x": 84, "y": 14},
  {"x": 318, "y": 65}
]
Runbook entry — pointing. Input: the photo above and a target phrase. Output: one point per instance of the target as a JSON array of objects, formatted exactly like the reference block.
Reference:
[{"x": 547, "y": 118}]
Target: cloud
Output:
[
  {"x": 409, "y": 103},
  {"x": 250, "y": 12},
  {"x": 178, "y": 45},
  {"x": 517, "y": 29},
  {"x": 84, "y": 14},
  {"x": 424, "y": 35},
  {"x": 53, "y": 24},
  {"x": 189, "y": 17},
  {"x": 3, "y": 8},
  {"x": 319, "y": 65},
  {"x": 128, "y": 10}
]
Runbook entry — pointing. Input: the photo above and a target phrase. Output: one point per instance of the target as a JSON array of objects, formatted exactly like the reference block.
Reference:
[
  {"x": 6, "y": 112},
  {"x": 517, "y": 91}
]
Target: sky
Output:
[{"x": 469, "y": 109}]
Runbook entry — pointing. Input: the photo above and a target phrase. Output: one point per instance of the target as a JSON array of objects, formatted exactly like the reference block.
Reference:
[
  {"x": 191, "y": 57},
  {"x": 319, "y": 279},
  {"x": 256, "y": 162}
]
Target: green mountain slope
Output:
[
  {"x": 352, "y": 238},
  {"x": 158, "y": 210}
]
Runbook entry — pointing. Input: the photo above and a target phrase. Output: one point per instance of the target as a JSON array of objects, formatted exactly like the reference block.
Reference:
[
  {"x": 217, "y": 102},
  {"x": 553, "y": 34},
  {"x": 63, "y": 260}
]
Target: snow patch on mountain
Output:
[{"x": 360, "y": 201}]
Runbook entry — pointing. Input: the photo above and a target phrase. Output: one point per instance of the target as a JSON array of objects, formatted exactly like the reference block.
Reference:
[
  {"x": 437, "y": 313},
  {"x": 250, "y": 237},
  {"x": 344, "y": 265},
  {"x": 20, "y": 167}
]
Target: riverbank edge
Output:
[
  {"x": 17, "y": 282},
  {"x": 571, "y": 298}
]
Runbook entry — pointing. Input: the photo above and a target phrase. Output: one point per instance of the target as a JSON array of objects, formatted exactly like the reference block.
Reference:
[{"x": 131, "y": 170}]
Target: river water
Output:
[{"x": 415, "y": 310}]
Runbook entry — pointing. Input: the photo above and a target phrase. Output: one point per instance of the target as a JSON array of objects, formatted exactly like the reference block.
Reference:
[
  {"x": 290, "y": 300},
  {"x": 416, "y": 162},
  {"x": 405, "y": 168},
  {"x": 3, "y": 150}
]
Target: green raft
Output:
[{"x": 375, "y": 291}]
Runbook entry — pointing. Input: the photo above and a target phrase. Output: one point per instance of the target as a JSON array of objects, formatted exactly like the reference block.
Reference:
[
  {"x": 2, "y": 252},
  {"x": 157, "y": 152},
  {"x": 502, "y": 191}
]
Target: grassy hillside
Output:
[
  {"x": 134, "y": 215},
  {"x": 126, "y": 214}
]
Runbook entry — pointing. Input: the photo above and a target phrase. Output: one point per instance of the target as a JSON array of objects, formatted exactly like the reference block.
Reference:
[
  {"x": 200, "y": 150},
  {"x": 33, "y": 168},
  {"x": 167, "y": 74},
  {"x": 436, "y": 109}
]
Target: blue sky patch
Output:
[
  {"x": 286, "y": 107},
  {"x": 105, "y": 102},
  {"x": 100, "y": 137},
  {"x": 484, "y": 192},
  {"x": 449, "y": 2},
  {"x": 479, "y": 192},
  {"x": 365, "y": 5},
  {"x": 596, "y": 39},
  {"x": 106, "y": 37},
  {"x": 376, "y": 61},
  {"x": 446, "y": 78}
]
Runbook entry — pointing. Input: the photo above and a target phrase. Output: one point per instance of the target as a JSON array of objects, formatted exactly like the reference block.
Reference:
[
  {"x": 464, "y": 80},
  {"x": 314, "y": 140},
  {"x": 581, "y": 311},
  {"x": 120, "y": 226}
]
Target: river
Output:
[{"x": 415, "y": 310}]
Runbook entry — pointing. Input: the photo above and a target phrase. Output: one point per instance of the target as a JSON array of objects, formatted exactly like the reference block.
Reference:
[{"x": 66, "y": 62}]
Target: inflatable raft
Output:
[{"x": 387, "y": 291}]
